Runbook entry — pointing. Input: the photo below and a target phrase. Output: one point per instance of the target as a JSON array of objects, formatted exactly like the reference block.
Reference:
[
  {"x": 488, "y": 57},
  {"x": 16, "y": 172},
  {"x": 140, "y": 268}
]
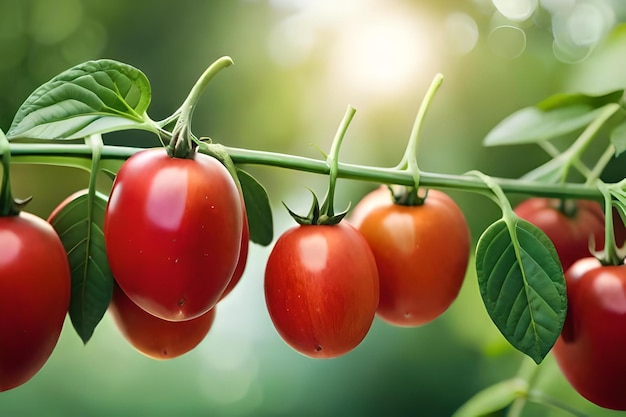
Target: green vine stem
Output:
[{"x": 79, "y": 156}]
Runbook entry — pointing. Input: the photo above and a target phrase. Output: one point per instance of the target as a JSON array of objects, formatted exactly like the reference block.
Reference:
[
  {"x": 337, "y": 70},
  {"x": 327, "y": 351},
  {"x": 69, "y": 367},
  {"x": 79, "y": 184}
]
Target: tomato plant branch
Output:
[{"x": 79, "y": 156}]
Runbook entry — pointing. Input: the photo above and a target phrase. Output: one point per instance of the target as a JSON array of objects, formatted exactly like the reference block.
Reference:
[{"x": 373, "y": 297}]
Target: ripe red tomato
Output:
[
  {"x": 590, "y": 350},
  {"x": 173, "y": 232},
  {"x": 321, "y": 289},
  {"x": 34, "y": 296},
  {"x": 155, "y": 337},
  {"x": 569, "y": 233},
  {"x": 421, "y": 252},
  {"x": 243, "y": 257}
]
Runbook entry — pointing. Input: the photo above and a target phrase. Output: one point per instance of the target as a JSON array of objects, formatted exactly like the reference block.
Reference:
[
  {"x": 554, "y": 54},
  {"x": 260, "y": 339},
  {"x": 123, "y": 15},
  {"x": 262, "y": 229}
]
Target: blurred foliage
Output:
[{"x": 297, "y": 65}]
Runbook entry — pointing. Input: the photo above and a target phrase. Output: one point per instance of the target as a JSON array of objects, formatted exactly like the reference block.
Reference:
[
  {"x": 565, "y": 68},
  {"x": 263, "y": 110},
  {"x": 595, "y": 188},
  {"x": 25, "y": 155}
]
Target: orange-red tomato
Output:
[
  {"x": 155, "y": 337},
  {"x": 34, "y": 296},
  {"x": 421, "y": 252},
  {"x": 321, "y": 289}
]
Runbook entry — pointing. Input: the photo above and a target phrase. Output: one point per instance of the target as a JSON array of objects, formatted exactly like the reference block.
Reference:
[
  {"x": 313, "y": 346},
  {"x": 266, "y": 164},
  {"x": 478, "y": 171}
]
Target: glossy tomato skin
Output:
[
  {"x": 421, "y": 252},
  {"x": 569, "y": 234},
  {"x": 321, "y": 289},
  {"x": 590, "y": 350},
  {"x": 173, "y": 232},
  {"x": 34, "y": 296},
  {"x": 154, "y": 337}
]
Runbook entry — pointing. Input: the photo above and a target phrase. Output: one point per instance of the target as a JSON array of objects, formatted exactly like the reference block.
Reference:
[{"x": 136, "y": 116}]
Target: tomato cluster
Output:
[
  {"x": 176, "y": 234},
  {"x": 324, "y": 284}
]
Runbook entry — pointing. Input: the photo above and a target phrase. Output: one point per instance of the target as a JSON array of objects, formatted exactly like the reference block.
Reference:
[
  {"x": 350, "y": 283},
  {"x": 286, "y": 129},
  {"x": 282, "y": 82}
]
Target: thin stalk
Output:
[
  {"x": 328, "y": 208},
  {"x": 181, "y": 144},
  {"x": 409, "y": 160},
  {"x": 598, "y": 168},
  {"x": 71, "y": 154},
  {"x": 578, "y": 147}
]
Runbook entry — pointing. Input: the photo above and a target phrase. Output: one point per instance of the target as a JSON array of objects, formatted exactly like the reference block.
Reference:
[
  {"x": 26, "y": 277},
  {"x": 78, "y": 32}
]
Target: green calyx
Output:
[
  {"x": 408, "y": 196},
  {"x": 317, "y": 215}
]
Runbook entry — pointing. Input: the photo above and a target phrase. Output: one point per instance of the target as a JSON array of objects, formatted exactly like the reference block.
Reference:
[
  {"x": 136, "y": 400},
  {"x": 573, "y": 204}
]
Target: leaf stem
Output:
[{"x": 585, "y": 138}]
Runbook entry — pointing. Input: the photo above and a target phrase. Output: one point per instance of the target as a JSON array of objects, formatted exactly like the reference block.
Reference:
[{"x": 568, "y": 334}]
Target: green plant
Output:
[{"x": 519, "y": 272}]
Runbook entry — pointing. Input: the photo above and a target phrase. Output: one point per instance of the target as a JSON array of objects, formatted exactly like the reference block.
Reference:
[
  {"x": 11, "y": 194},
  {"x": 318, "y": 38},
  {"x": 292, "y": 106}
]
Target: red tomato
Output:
[
  {"x": 569, "y": 234},
  {"x": 321, "y": 289},
  {"x": 34, "y": 296},
  {"x": 243, "y": 257},
  {"x": 421, "y": 252},
  {"x": 155, "y": 337},
  {"x": 173, "y": 231},
  {"x": 590, "y": 350}
]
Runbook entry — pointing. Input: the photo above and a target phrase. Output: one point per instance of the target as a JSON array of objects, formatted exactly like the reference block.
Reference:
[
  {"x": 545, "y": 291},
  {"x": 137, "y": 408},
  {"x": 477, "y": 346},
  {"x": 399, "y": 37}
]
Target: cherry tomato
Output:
[
  {"x": 590, "y": 350},
  {"x": 421, "y": 252},
  {"x": 569, "y": 229},
  {"x": 173, "y": 232},
  {"x": 321, "y": 289},
  {"x": 34, "y": 296},
  {"x": 155, "y": 337},
  {"x": 243, "y": 257}
]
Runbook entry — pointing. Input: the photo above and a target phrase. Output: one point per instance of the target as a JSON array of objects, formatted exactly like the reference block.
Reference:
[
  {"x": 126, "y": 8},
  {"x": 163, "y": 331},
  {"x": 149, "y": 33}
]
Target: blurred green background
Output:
[{"x": 298, "y": 64}]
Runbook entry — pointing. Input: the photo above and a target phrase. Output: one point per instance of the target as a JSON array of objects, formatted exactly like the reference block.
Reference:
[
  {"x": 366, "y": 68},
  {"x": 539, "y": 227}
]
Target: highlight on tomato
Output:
[
  {"x": 154, "y": 337},
  {"x": 173, "y": 230},
  {"x": 590, "y": 349},
  {"x": 421, "y": 247},
  {"x": 321, "y": 288},
  {"x": 570, "y": 224},
  {"x": 34, "y": 296}
]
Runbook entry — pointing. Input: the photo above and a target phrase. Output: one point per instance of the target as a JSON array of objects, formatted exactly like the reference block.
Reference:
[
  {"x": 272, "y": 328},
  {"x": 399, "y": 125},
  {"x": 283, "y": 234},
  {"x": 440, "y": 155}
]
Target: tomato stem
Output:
[
  {"x": 610, "y": 255},
  {"x": 327, "y": 210},
  {"x": 181, "y": 144},
  {"x": 409, "y": 159},
  {"x": 8, "y": 206}
]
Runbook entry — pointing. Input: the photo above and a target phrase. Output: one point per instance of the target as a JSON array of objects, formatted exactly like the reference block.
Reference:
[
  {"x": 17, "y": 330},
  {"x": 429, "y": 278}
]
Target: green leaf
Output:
[
  {"x": 522, "y": 285},
  {"x": 258, "y": 209},
  {"x": 553, "y": 117},
  {"x": 570, "y": 99},
  {"x": 81, "y": 231},
  {"x": 532, "y": 125},
  {"x": 618, "y": 138},
  {"x": 93, "y": 97},
  {"x": 493, "y": 399}
]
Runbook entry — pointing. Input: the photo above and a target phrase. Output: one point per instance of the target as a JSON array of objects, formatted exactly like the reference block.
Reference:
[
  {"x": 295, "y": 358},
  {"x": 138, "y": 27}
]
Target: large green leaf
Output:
[
  {"x": 522, "y": 285},
  {"x": 94, "y": 97},
  {"x": 553, "y": 117},
  {"x": 493, "y": 399},
  {"x": 79, "y": 224},
  {"x": 258, "y": 209}
]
